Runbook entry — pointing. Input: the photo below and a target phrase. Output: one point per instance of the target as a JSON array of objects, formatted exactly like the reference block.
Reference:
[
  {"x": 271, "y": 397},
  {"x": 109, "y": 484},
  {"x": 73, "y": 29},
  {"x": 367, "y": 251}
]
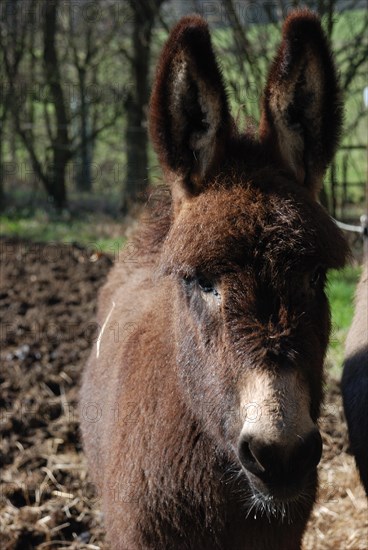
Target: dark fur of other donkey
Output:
[
  {"x": 354, "y": 383},
  {"x": 242, "y": 207}
]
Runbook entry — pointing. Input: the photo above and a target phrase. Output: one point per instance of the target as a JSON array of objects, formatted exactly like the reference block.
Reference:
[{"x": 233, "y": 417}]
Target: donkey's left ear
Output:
[
  {"x": 302, "y": 109},
  {"x": 189, "y": 115}
]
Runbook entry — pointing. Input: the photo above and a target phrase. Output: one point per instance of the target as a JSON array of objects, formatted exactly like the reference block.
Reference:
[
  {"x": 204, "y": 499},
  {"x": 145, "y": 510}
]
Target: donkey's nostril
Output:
[
  {"x": 248, "y": 458},
  {"x": 281, "y": 464}
]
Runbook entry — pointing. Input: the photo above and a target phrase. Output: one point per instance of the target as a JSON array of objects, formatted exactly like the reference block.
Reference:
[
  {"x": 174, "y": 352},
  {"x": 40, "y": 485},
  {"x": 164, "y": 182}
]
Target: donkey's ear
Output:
[
  {"x": 302, "y": 110},
  {"x": 189, "y": 115}
]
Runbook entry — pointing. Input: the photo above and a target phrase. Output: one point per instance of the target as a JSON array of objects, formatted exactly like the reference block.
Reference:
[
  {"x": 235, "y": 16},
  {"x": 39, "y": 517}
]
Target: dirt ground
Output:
[{"x": 47, "y": 303}]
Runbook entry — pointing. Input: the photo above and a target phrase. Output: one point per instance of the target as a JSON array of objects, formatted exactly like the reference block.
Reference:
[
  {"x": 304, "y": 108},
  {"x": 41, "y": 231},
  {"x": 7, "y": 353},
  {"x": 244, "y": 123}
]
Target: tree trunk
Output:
[
  {"x": 333, "y": 205},
  {"x": 2, "y": 194},
  {"x": 83, "y": 178},
  {"x": 137, "y": 177},
  {"x": 57, "y": 177},
  {"x": 60, "y": 144}
]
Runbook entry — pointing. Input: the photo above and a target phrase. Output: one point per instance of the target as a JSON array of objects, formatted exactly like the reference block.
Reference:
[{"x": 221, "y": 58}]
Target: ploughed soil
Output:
[{"x": 47, "y": 304}]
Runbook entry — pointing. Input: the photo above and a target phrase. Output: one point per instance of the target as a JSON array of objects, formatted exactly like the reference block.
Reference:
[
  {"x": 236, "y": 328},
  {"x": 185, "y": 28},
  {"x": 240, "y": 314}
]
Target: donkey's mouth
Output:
[
  {"x": 282, "y": 501},
  {"x": 285, "y": 509},
  {"x": 280, "y": 490}
]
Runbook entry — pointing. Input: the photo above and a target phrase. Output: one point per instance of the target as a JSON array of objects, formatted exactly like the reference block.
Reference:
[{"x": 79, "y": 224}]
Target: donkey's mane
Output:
[
  {"x": 247, "y": 155},
  {"x": 264, "y": 187}
]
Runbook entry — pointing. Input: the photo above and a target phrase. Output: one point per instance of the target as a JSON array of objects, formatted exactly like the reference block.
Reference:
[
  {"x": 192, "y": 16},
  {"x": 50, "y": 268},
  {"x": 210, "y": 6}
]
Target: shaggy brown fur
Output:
[
  {"x": 354, "y": 383},
  {"x": 200, "y": 399}
]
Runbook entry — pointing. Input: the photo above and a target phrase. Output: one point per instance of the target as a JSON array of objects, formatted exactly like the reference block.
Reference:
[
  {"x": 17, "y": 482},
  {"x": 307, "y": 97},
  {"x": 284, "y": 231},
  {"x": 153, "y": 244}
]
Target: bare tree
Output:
[
  {"x": 144, "y": 14},
  {"x": 60, "y": 140},
  {"x": 12, "y": 50},
  {"x": 48, "y": 137},
  {"x": 49, "y": 168},
  {"x": 96, "y": 103}
]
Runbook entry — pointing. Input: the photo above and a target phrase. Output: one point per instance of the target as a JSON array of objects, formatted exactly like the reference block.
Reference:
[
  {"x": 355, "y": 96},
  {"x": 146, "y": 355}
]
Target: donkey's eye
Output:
[
  {"x": 205, "y": 285},
  {"x": 318, "y": 277}
]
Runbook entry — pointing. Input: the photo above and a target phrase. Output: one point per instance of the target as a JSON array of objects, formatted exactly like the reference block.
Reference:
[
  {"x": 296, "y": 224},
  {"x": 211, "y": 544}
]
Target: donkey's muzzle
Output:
[{"x": 279, "y": 466}]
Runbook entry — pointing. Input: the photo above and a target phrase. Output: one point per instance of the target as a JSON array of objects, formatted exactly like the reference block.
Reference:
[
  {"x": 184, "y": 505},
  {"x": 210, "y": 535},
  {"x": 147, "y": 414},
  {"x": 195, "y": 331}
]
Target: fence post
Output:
[{"x": 364, "y": 224}]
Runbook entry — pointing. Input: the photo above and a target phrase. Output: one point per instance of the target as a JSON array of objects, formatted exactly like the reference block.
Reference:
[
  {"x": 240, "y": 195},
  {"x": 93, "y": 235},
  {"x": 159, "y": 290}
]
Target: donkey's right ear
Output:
[{"x": 189, "y": 115}]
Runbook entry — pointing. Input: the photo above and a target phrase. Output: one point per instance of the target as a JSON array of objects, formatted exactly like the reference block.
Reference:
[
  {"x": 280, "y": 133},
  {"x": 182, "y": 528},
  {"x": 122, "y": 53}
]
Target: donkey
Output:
[
  {"x": 354, "y": 382},
  {"x": 200, "y": 425}
]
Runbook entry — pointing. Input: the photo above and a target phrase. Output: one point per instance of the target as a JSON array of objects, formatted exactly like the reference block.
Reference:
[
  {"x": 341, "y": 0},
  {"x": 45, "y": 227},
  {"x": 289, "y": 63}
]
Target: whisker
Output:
[{"x": 256, "y": 504}]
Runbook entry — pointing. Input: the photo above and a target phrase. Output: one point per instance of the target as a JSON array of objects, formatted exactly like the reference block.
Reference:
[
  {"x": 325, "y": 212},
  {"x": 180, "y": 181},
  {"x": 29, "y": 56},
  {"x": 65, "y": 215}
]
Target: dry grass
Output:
[{"x": 340, "y": 516}]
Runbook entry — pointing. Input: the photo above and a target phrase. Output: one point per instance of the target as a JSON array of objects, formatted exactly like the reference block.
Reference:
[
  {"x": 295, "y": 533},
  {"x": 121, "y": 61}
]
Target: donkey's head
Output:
[{"x": 249, "y": 247}]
